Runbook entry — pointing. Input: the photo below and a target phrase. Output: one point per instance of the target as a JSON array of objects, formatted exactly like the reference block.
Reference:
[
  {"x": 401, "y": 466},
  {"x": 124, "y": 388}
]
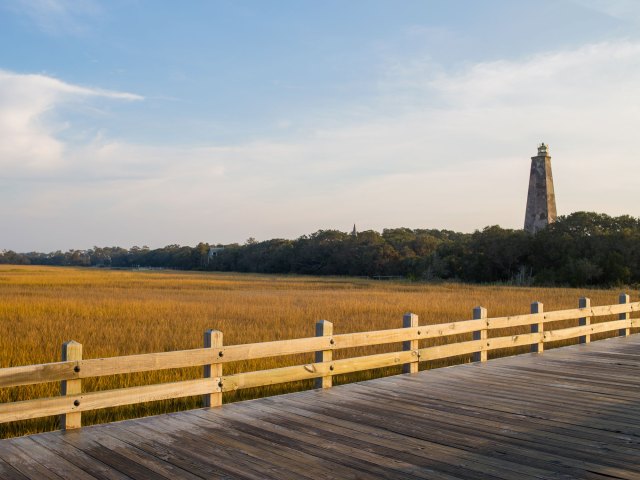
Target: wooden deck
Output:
[{"x": 572, "y": 412}]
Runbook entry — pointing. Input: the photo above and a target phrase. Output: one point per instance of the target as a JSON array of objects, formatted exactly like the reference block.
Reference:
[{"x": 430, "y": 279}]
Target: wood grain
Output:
[{"x": 571, "y": 412}]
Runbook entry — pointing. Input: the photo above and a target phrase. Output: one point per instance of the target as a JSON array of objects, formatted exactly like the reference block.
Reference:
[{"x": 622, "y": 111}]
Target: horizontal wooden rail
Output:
[
  {"x": 546, "y": 317},
  {"x": 44, "y": 407},
  {"x": 215, "y": 354},
  {"x": 31, "y": 374},
  {"x": 314, "y": 370},
  {"x": 573, "y": 332}
]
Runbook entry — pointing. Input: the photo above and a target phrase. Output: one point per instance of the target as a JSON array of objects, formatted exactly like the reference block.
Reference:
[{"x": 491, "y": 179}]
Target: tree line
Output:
[{"x": 580, "y": 249}]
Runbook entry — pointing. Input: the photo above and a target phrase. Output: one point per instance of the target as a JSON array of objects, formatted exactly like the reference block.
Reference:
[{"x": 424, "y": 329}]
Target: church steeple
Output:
[{"x": 354, "y": 232}]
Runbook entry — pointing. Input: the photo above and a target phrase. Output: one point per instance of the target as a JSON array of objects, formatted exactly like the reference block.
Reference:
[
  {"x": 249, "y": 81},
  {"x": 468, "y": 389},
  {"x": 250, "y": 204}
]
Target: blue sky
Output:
[{"x": 150, "y": 123}]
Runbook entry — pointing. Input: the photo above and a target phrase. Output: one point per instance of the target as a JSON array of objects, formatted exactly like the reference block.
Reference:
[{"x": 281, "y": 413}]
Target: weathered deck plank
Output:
[{"x": 572, "y": 412}]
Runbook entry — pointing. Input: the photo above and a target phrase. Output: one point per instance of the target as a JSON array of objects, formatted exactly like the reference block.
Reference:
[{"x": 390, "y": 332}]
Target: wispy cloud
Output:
[
  {"x": 628, "y": 10},
  {"x": 28, "y": 138},
  {"x": 57, "y": 17}
]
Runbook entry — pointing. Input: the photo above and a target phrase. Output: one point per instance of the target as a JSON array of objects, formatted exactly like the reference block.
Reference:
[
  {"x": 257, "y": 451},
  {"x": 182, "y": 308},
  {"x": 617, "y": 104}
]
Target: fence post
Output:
[
  {"x": 537, "y": 307},
  {"x": 478, "y": 314},
  {"x": 410, "y": 320},
  {"x": 584, "y": 302},
  {"x": 213, "y": 340},
  {"x": 324, "y": 328},
  {"x": 624, "y": 332},
  {"x": 71, "y": 351}
]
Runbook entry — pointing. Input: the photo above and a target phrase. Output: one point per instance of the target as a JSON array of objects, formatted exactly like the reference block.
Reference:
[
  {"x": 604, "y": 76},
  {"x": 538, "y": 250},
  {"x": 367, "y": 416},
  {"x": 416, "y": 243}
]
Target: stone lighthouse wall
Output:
[{"x": 541, "y": 200}]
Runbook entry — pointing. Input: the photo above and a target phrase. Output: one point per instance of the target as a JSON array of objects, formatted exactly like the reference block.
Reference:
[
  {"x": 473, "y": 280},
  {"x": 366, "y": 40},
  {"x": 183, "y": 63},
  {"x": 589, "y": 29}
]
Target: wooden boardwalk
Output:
[{"x": 572, "y": 412}]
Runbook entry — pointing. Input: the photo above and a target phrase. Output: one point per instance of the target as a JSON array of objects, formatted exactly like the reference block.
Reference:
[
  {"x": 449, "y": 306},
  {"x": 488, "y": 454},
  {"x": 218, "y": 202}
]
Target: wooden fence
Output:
[{"x": 73, "y": 368}]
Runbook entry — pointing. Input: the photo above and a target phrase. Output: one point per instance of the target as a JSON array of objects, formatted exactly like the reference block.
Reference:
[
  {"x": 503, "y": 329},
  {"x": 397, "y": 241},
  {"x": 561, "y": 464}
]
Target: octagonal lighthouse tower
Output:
[{"x": 541, "y": 200}]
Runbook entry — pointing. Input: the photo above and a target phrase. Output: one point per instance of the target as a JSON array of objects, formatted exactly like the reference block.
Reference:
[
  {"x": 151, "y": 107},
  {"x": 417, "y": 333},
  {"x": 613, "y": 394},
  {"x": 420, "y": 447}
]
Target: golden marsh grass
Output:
[{"x": 128, "y": 312}]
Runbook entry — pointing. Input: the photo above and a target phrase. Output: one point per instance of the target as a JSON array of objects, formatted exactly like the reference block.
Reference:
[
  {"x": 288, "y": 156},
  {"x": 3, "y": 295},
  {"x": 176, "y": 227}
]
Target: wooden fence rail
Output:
[{"x": 73, "y": 368}]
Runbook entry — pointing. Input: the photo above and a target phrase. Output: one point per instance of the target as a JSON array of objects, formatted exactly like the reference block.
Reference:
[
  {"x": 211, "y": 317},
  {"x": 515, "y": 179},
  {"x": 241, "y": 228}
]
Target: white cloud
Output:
[
  {"x": 561, "y": 79},
  {"x": 27, "y": 135},
  {"x": 456, "y": 156}
]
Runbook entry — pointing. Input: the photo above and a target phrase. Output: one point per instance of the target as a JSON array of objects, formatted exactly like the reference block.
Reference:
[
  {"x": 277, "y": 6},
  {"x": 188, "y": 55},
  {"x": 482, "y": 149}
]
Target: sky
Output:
[{"x": 139, "y": 122}]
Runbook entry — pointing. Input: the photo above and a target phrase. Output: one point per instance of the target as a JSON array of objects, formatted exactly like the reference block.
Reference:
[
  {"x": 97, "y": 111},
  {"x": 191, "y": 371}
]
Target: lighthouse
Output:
[{"x": 541, "y": 200}]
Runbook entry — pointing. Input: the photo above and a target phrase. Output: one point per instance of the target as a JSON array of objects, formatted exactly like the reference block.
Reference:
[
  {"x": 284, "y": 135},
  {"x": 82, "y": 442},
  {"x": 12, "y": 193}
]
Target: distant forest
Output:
[{"x": 580, "y": 249}]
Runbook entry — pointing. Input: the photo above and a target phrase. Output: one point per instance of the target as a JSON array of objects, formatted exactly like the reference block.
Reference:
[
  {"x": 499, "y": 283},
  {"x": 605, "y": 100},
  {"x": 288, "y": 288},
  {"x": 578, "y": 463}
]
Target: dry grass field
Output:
[{"x": 127, "y": 312}]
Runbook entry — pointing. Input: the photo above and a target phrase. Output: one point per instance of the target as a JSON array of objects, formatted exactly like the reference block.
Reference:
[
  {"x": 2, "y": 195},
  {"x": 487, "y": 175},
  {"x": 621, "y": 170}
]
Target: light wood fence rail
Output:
[{"x": 73, "y": 368}]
